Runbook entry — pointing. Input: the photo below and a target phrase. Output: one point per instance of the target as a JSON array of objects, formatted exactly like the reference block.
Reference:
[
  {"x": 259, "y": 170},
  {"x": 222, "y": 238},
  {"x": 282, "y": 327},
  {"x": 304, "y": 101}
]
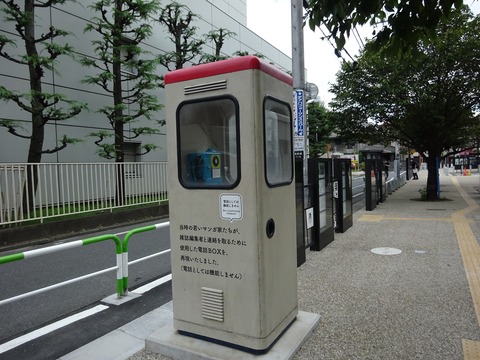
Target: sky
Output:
[{"x": 320, "y": 60}]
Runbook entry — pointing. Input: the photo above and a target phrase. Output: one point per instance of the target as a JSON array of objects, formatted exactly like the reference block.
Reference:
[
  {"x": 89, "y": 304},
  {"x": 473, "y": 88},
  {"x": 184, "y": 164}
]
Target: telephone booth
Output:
[
  {"x": 375, "y": 184},
  {"x": 232, "y": 202},
  {"x": 320, "y": 176},
  {"x": 381, "y": 180},
  {"x": 371, "y": 191},
  {"x": 343, "y": 199}
]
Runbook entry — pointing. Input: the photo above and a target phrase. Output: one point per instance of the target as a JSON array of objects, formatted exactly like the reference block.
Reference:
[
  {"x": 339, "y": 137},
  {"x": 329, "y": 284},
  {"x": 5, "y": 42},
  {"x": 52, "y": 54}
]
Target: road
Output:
[{"x": 22, "y": 276}]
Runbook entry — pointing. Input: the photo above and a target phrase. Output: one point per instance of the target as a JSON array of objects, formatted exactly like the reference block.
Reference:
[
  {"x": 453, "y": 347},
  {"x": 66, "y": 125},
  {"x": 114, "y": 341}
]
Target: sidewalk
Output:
[{"x": 418, "y": 304}]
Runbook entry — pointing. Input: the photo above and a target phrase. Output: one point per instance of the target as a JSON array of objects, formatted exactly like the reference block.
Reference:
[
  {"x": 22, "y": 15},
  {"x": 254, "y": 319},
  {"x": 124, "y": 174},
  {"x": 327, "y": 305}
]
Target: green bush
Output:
[{"x": 423, "y": 193}]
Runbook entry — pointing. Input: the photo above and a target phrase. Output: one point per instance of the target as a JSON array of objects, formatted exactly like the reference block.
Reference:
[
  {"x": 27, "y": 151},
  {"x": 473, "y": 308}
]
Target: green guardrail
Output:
[
  {"x": 56, "y": 248},
  {"x": 121, "y": 250},
  {"x": 125, "y": 243}
]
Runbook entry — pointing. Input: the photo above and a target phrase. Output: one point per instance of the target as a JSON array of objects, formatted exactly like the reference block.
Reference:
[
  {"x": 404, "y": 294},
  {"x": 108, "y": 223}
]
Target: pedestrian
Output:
[{"x": 415, "y": 171}]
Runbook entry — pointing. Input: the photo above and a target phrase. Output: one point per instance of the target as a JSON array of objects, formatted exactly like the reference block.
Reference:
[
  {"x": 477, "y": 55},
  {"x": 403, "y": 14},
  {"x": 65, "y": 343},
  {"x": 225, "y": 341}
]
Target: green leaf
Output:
[{"x": 5, "y": 94}]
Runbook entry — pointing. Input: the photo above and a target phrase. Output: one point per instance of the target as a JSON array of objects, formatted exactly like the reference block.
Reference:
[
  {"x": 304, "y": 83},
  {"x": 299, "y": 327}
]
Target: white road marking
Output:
[
  {"x": 71, "y": 319},
  {"x": 147, "y": 287},
  {"x": 49, "y": 328}
]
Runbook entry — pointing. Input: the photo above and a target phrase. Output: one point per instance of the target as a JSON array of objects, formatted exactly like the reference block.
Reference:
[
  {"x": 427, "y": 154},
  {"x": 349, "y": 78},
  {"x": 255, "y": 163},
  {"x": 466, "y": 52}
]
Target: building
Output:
[{"x": 68, "y": 74}]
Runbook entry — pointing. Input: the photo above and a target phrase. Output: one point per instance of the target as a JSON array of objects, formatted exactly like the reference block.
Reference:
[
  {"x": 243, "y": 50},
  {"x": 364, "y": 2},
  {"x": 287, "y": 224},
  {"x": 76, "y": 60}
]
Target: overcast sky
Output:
[{"x": 271, "y": 20}]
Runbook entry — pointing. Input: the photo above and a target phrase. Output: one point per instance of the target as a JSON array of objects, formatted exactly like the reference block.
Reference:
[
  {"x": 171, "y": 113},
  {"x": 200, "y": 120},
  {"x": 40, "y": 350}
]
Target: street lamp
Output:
[{"x": 311, "y": 91}]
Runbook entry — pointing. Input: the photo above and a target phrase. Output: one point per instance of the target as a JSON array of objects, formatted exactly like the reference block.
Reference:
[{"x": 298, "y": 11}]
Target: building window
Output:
[{"x": 131, "y": 155}]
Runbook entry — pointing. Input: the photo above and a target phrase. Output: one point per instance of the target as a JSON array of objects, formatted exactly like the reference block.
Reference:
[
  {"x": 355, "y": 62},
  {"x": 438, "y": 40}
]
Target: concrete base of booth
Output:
[{"x": 167, "y": 341}]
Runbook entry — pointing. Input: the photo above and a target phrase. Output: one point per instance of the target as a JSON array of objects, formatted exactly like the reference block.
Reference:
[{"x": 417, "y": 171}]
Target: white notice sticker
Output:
[
  {"x": 231, "y": 207},
  {"x": 335, "y": 189},
  {"x": 309, "y": 217}
]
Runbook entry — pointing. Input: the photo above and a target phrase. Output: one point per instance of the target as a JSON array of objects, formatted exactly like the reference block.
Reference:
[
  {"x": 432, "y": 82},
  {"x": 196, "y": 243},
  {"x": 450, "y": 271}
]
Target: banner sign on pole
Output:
[{"x": 299, "y": 120}]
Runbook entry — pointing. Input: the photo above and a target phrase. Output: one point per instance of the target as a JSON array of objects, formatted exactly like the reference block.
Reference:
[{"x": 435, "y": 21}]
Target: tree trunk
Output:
[
  {"x": 37, "y": 133},
  {"x": 432, "y": 179},
  {"x": 118, "y": 113}
]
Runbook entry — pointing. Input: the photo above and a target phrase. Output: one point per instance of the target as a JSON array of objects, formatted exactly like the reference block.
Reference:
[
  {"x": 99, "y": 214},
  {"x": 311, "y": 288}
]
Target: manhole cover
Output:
[{"x": 386, "y": 251}]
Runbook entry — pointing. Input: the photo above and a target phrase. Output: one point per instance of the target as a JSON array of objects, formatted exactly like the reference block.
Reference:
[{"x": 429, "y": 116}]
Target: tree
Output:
[
  {"x": 218, "y": 37},
  {"x": 126, "y": 72},
  {"x": 178, "y": 20},
  {"x": 428, "y": 102},
  {"x": 40, "y": 55},
  {"x": 245, "y": 53},
  {"x": 403, "y": 22},
  {"x": 319, "y": 128}
]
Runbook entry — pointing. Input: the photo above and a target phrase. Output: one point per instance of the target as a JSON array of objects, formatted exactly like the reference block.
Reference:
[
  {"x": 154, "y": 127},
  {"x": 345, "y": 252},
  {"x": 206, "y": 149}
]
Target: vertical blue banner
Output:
[{"x": 299, "y": 121}]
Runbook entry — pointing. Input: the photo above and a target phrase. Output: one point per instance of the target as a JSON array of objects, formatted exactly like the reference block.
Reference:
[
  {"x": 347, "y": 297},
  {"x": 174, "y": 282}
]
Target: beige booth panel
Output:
[{"x": 231, "y": 282}]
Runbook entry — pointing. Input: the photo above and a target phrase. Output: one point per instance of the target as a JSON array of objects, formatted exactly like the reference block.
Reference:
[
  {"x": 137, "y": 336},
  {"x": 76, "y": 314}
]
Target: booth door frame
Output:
[{"x": 299, "y": 205}]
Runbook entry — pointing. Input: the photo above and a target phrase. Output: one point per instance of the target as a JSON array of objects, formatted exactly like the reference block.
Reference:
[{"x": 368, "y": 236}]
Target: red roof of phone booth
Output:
[{"x": 224, "y": 67}]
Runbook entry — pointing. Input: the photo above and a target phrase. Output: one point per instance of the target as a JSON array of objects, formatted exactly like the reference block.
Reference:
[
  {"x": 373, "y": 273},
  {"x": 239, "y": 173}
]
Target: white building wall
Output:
[
  {"x": 236, "y": 9},
  {"x": 68, "y": 75}
]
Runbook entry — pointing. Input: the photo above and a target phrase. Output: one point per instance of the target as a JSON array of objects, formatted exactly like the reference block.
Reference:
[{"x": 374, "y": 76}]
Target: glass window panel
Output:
[
  {"x": 322, "y": 200},
  {"x": 278, "y": 142},
  {"x": 321, "y": 170},
  {"x": 323, "y": 219},
  {"x": 348, "y": 208},
  {"x": 208, "y": 151},
  {"x": 321, "y": 187}
]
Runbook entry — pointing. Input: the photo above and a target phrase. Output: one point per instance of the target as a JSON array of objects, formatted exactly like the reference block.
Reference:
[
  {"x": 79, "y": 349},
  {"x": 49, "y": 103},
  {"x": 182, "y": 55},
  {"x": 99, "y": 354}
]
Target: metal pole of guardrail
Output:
[
  {"x": 126, "y": 239},
  {"x": 55, "y": 248},
  {"x": 56, "y": 286},
  {"x": 118, "y": 250}
]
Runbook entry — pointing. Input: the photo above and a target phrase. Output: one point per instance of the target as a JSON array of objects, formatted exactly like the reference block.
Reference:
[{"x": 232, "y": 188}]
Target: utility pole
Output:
[
  {"x": 298, "y": 73},
  {"x": 298, "y": 61}
]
